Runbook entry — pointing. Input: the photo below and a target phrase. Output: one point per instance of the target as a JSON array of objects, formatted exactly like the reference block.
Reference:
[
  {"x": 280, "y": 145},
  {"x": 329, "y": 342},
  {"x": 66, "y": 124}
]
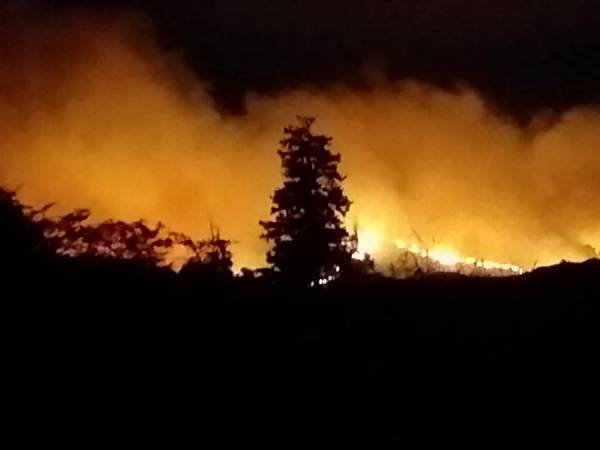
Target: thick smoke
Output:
[{"x": 92, "y": 114}]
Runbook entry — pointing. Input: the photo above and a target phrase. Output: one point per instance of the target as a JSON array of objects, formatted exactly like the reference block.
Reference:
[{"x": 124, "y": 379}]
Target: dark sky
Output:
[{"x": 523, "y": 54}]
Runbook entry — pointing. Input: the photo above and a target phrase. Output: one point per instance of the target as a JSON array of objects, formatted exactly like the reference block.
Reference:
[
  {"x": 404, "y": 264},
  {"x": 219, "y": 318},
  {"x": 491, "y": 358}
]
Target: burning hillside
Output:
[{"x": 93, "y": 114}]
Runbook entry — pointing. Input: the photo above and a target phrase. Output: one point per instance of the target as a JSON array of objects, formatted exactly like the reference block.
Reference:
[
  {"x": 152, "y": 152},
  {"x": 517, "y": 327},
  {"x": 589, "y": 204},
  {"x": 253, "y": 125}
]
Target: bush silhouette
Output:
[
  {"x": 21, "y": 237},
  {"x": 211, "y": 258},
  {"x": 71, "y": 235}
]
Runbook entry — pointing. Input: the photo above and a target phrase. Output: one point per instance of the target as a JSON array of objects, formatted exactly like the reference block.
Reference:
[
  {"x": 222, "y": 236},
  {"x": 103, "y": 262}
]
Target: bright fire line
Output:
[{"x": 370, "y": 242}]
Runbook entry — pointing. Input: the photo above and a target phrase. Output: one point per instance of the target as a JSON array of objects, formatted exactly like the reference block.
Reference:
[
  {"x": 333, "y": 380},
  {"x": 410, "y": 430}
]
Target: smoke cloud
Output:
[{"x": 93, "y": 114}]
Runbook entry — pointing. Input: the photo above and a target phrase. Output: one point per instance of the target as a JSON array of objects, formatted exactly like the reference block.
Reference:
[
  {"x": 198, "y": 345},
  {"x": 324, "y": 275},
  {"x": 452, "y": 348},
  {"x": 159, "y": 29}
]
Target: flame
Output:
[
  {"x": 445, "y": 256},
  {"x": 453, "y": 261},
  {"x": 105, "y": 120},
  {"x": 369, "y": 242}
]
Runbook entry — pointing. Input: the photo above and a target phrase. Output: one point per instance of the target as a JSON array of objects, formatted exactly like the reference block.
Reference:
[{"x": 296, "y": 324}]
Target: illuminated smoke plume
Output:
[{"x": 93, "y": 114}]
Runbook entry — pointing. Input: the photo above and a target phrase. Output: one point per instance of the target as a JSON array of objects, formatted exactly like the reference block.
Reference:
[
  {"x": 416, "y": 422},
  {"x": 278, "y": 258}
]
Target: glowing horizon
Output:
[{"x": 113, "y": 124}]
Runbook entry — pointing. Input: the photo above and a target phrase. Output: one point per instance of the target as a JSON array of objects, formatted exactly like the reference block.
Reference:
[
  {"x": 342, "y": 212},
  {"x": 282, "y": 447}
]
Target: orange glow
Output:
[
  {"x": 452, "y": 261},
  {"x": 445, "y": 256},
  {"x": 108, "y": 122},
  {"x": 368, "y": 243}
]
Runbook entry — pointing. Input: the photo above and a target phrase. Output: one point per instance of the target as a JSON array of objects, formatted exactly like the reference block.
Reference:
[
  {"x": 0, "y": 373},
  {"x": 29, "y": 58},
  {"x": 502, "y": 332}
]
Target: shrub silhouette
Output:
[
  {"x": 21, "y": 237},
  {"x": 211, "y": 258},
  {"x": 72, "y": 235}
]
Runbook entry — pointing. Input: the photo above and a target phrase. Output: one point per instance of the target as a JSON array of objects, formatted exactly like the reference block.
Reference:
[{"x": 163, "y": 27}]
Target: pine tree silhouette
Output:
[{"x": 307, "y": 233}]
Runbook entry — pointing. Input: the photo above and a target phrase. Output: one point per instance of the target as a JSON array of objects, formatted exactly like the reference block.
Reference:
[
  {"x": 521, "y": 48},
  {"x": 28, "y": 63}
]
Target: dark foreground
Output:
[{"x": 116, "y": 337}]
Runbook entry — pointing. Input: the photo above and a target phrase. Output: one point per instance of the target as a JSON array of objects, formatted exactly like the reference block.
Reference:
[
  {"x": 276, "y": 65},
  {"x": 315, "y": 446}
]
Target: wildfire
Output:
[
  {"x": 412, "y": 257},
  {"x": 445, "y": 259},
  {"x": 368, "y": 243},
  {"x": 445, "y": 256},
  {"x": 111, "y": 123}
]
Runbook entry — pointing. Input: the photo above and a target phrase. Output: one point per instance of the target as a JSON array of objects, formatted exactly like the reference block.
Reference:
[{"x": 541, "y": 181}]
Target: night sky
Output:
[{"x": 523, "y": 55}]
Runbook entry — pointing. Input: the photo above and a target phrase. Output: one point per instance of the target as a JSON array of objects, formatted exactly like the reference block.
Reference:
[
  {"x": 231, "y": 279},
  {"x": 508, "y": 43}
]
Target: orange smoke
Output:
[{"x": 93, "y": 115}]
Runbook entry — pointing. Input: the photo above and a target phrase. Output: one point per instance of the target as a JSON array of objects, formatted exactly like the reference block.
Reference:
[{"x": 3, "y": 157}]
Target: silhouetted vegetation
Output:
[
  {"x": 102, "y": 297},
  {"x": 310, "y": 241},
  {"x": 30, "y": 236},
  {"x": 70, "y": 235},
  {"x": 21, "y": 237},
  {"x": 210, "y": 259}
]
